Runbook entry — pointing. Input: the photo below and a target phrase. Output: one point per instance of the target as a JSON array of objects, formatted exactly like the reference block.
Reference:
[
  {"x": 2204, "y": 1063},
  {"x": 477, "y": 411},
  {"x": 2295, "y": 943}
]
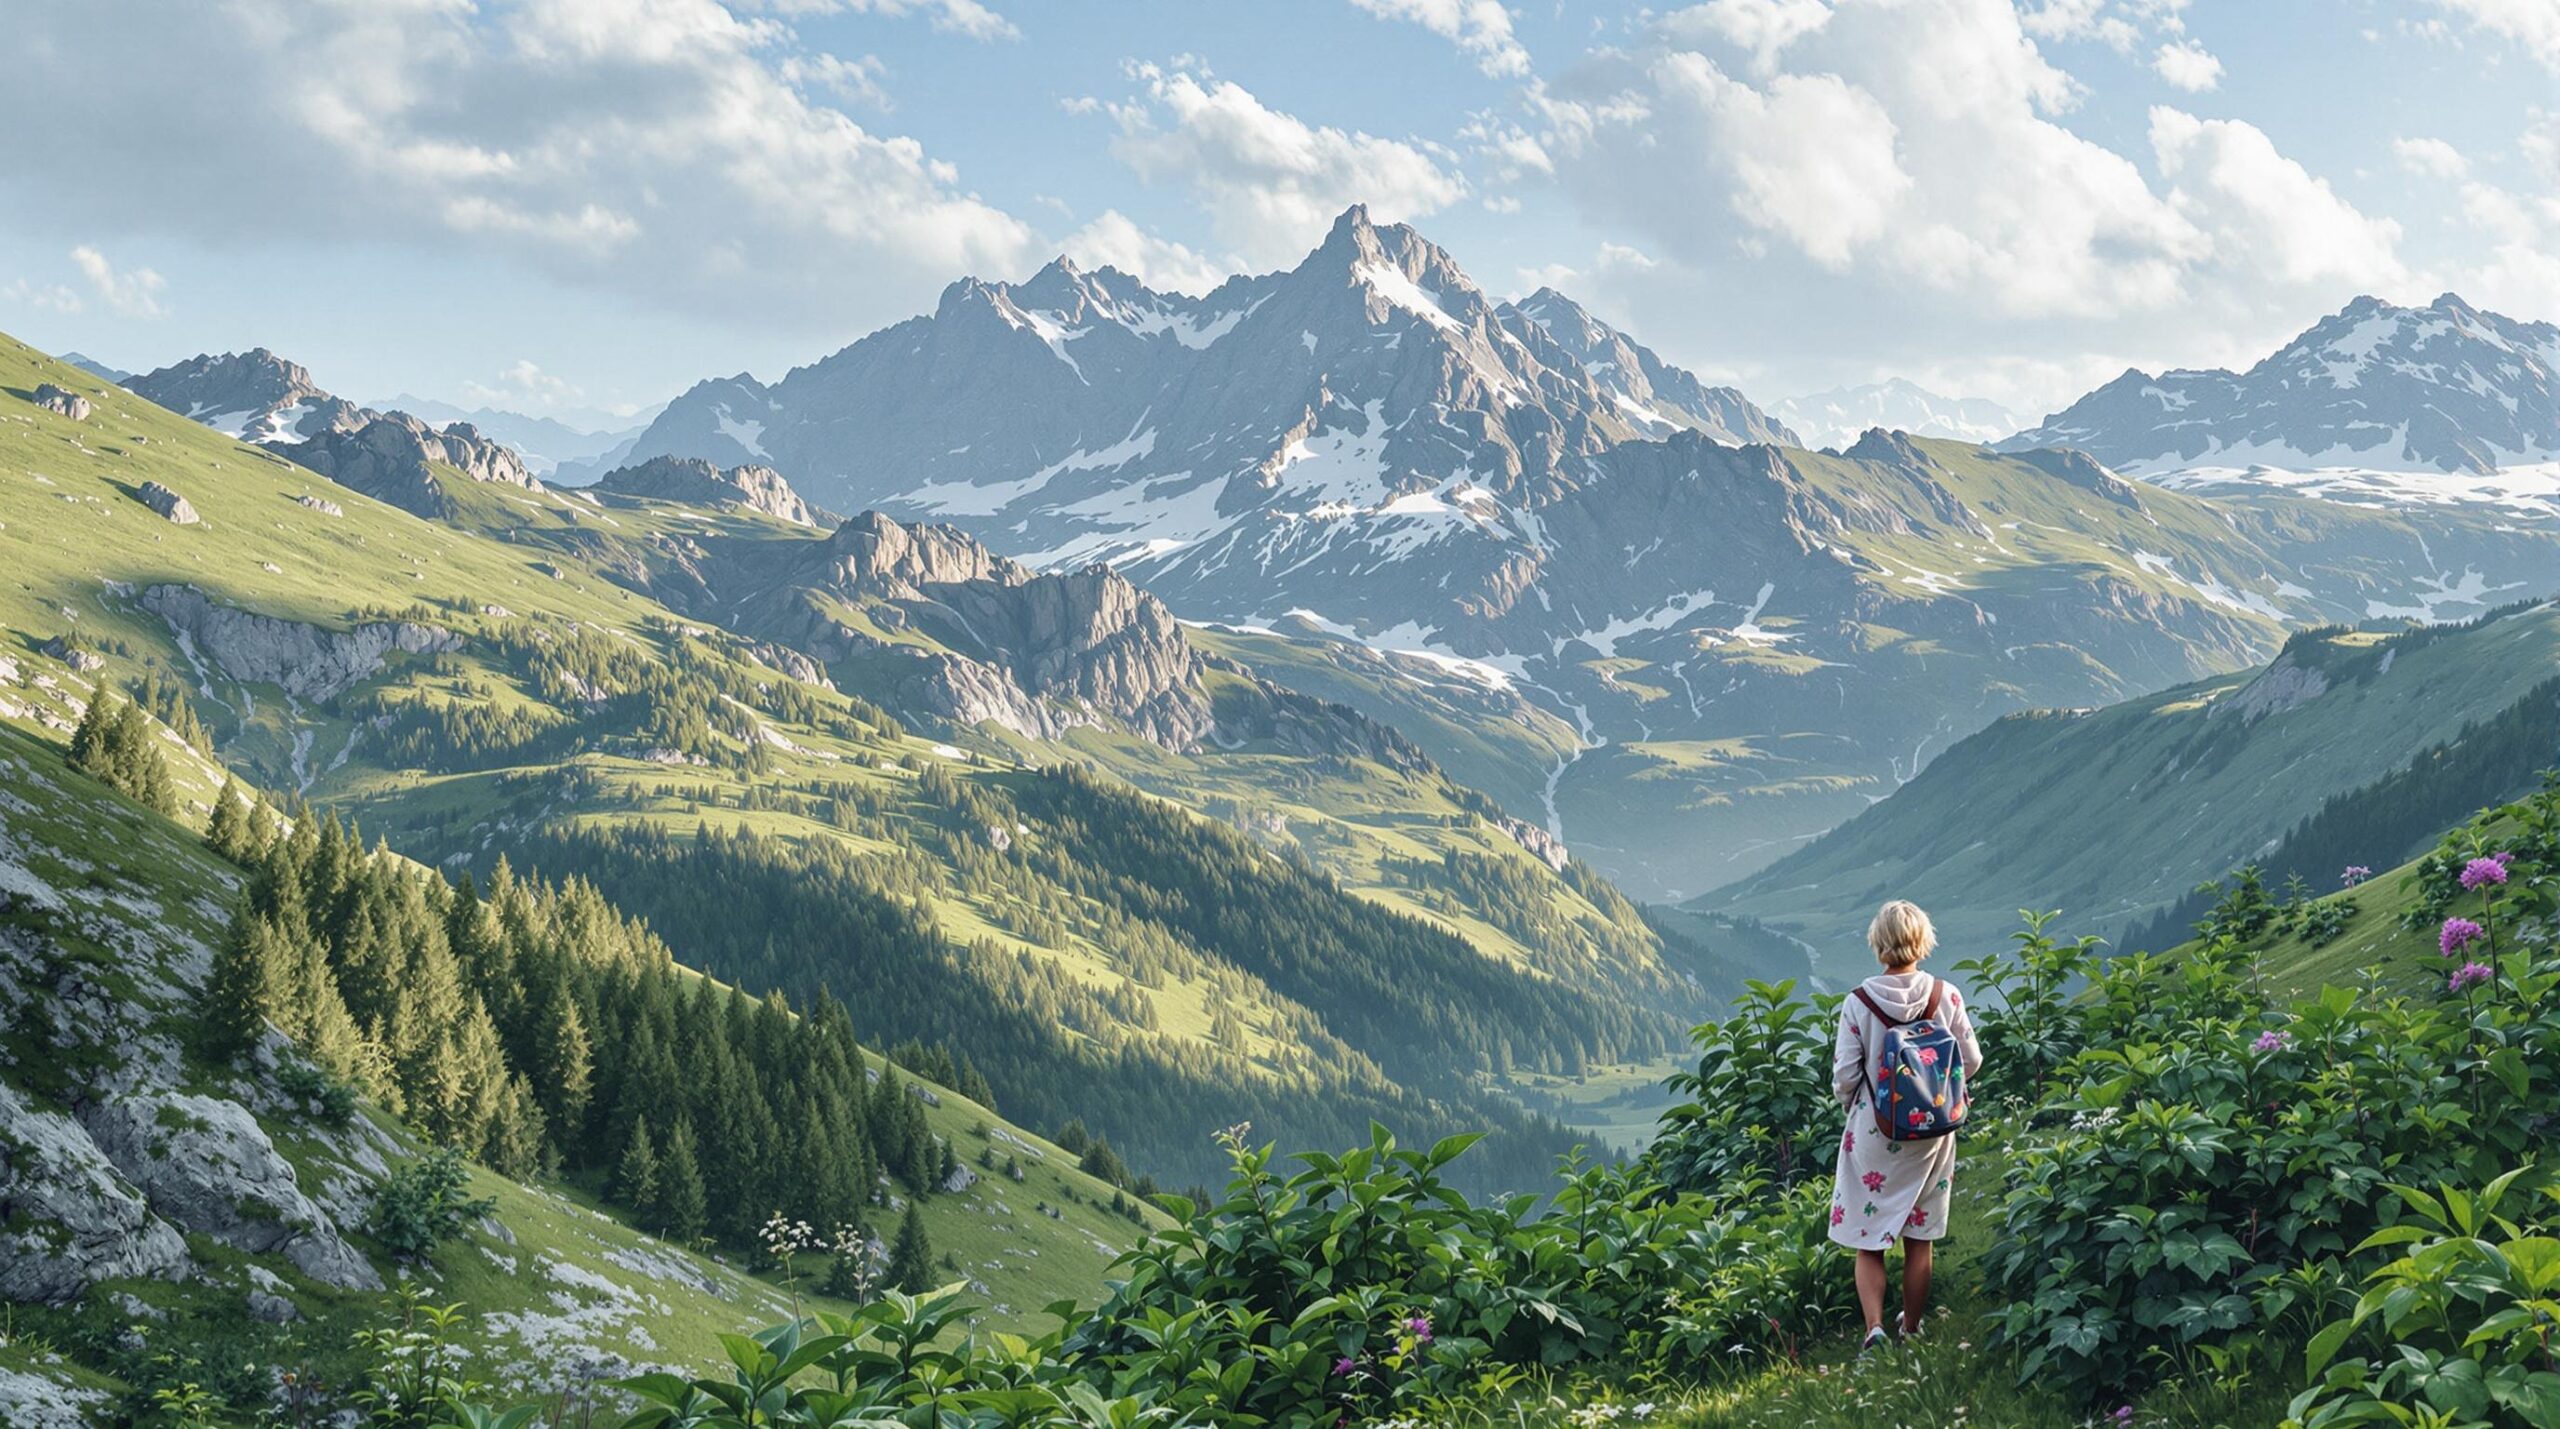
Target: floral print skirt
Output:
[{"x": 1884, "y": 1190}]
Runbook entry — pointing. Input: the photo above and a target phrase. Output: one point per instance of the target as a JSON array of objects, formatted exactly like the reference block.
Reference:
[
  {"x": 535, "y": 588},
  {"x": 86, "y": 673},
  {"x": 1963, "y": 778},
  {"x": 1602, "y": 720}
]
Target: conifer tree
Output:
[
  {"x": 911, "y": 1259},
  {"x": 227, "y": 832},
  {"x": 635, "y": 1176},
  {"x": 681, "y": 1201},
  {"x": 244, "y": 994}
]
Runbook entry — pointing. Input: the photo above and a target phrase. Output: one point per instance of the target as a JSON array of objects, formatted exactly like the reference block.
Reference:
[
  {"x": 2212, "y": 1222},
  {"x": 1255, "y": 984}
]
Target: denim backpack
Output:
[{"x": 1917, "y": 1077}]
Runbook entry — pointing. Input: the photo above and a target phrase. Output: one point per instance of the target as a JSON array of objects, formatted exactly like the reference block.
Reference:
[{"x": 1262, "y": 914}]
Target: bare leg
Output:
[
  {"x": 1919, "y": 1257},
  {"x": 1871, "y": 1286}
]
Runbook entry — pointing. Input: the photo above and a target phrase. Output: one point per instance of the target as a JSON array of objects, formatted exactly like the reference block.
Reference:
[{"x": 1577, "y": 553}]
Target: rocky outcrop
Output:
[
  {"x": 205, "y": 1164},
  {"x": 254, "y": 395},
  {"x": 61, "y": 648},
  {"x": 1541, "y": 844},
  {"x": 398, "y": 459},
  {"x": 690, "y": 479},
  {"x": 168, "y": 503},
  {"x": 790, "y": 662},
  {"x": 62, "y": 401},
  {"x": 307, "y": 661},
  {"x": 321, "y": 504},
  {"x": 1037, "y": 654},
  {"x": 68, "y": 1219}
]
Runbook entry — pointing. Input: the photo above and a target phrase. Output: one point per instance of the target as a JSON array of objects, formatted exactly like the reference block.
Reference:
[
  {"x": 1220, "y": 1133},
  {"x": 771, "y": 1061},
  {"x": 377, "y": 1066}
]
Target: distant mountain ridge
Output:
[
  {"x": 2446, "y": 388},
  {"x": 547, "y": 444},
  {"x": 1836, "y": 418}
]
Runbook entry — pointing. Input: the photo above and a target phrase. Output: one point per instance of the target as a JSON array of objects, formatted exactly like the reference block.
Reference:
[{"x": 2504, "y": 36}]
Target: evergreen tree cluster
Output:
[
  {"x": 538, "y": 1029},
  {"x": 117, "y": 743}
]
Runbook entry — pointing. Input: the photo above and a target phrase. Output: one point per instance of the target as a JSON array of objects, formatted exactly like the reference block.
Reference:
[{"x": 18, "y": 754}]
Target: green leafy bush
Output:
[
  {"x": 2464, "y": 1321},
  {"x": 1759, "y": 1106},
  {"x": 424, "y": 1203}
]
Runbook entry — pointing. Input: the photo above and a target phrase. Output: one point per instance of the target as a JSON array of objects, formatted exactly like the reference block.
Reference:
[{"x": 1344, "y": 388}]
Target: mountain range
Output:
[
  {"x": 1750, "y": 641},
  {"x": 2375, "y": 402}
]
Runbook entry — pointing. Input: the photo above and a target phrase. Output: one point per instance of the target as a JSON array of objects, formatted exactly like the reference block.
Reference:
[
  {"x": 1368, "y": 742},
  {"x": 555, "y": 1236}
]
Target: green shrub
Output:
[{"x": 424, "y": 1203}]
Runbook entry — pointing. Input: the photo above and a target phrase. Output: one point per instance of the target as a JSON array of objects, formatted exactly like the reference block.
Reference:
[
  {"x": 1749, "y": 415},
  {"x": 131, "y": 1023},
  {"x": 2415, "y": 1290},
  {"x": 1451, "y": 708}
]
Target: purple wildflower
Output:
[
  {"x": 2124, "y": 1414},
  {"x": 1420, "y": 1328},
  {"x": 1345, "y": 1367},
  {"x": 2356, "y": 873},
  {"x": 2482, "y": 871},
  {"x": 2467, "y": 975},
  {"x": 2457, "y": 935},
  {"x": 2273, "y": 1041}
]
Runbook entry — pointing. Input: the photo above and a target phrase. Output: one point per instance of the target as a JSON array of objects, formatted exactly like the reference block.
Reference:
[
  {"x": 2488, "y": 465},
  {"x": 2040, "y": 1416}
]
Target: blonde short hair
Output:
[{"x": 1901, "y": 934}]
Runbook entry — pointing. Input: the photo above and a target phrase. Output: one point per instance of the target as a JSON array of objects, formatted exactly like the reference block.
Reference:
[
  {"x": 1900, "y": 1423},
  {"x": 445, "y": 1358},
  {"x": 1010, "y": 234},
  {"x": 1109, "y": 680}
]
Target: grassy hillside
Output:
[
  {"x": 96, "y": 892},
  {"x": 543, "y": 694},
  {"x": 2114, "y": 814}
]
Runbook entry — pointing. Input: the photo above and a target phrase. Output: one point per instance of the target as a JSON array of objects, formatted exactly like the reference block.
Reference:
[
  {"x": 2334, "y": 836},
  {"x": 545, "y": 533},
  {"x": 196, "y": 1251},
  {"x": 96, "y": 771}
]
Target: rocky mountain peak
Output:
[{"x": 692, "y": 479}]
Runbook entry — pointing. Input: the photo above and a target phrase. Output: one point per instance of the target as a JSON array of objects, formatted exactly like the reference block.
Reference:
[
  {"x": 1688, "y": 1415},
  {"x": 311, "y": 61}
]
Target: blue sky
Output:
[{"x": 577, "y": 206}]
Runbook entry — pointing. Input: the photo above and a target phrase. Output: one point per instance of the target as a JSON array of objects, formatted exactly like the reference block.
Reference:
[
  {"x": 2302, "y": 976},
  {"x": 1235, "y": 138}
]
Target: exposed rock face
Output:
[
  {"x": 61, "y": 648},
  {"x": 1036, "y": 654},
  {"x": 254, "y": 395},
  {"x": 207, "y": 1165},
  {"x": 1536, "y": 840},
  {"x": 168, "y": 503},
  {"x": 394, "y": 458},
  {"x": 62, "y": 400},
  {"x": 791, "y": 662},
  {"x": 758, "y": 488},
  {"x": 71, "y": 1220},
  {"x": 322, "y": 504},
  {"x": 308, "y": 662}
]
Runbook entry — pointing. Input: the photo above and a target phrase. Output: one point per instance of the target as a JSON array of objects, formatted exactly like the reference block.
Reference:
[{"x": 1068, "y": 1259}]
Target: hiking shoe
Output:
[
  {"x": 1876, "y": 1340},
  {"x": 1908, "y": 1328}
]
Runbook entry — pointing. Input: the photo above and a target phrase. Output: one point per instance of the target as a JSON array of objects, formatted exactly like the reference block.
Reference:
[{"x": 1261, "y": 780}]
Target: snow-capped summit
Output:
[
  {"x": 2374, "y": 388},
  {"x": 1356, "y": 408},
  {"x": 1836, "y": 418}
]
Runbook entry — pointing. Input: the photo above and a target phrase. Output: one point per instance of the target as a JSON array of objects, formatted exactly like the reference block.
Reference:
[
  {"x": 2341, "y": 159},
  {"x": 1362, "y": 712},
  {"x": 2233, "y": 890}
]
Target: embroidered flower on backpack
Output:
[{"x": 1928, "y": 1056}]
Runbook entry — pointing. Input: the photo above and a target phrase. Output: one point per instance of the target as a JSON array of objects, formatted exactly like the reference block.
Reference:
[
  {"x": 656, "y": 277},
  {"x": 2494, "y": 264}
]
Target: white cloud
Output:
[
  {"x": 862, "y": 80},
  {"x": 2533, "y": 25},
  {"x": 2267, "y": 213},
  {"x": 1762, "y": 27},
  {"x": 1115, "y": 240},
  {"x": 2432, "y": 157},
  {"x": 133, "y": 292},
  {"x": 522, "y": 386},
  {"x": 958, "y": 17},
  {"x": 44, "y": 297},
  {"x": 1482, "y": 28},
  {"x": 1269, "y": 181},
  {"x": 1926, "y": 146},
  {"x": 1916, "y": 140},
  {"x": 2184, "y": 64},
  {"x": 670, "y": 148},
  {"x": 2520, "y": 272}
]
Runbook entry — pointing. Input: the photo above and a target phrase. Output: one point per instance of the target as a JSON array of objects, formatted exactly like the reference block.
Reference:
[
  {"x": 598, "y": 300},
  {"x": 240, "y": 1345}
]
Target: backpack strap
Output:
[
  {"x": 1860, "y": 993},
  {"x": 1937, "y": 989}
]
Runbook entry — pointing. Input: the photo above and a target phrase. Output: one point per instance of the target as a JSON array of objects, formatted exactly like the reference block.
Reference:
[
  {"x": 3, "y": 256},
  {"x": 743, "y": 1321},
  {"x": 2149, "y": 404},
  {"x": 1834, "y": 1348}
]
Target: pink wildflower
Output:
[
  {"x": 1345, "y": 1367},
  {"x": 2356, "y": 873},
  {"x": 2457, "y": 935},
  {"x": 2467, "y": 975},
  {"x": 1420, "y": 1328},
  {"x": 2273, "y": 1041},
  {"x": 2482, "y": 871}
]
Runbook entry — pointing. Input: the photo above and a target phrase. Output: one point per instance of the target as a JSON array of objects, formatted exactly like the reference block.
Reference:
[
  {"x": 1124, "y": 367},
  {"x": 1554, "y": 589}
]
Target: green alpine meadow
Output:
[{"x": 1363, "y": 714}]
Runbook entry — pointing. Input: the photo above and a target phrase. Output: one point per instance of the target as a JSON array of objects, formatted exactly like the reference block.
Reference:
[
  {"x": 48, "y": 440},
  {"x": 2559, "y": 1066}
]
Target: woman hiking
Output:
[{"x": 1902, "y": 1066}]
